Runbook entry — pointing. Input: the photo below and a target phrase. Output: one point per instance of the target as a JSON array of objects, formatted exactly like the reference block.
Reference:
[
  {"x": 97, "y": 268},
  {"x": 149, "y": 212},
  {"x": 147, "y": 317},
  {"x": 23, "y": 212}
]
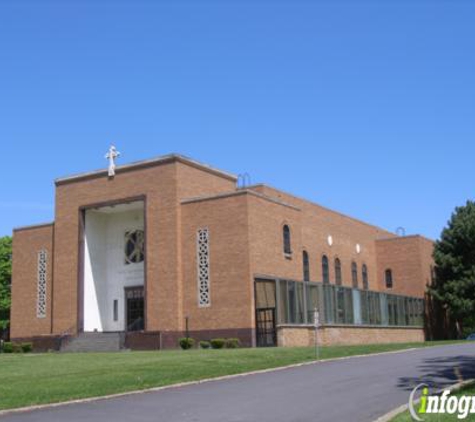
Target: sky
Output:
[{"x": 365, "y": 107}]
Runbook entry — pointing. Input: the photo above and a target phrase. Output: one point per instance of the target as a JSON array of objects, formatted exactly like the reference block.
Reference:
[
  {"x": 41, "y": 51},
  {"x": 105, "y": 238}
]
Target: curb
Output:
[
  {"x": 401, "y": 409},
  {"x": 206, "y": 380}
]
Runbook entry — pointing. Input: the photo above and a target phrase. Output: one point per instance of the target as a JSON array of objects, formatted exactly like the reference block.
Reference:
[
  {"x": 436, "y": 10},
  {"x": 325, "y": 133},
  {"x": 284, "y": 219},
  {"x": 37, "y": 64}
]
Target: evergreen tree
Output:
[
  {"x": 5, "y": 280},
  {"x": 454, "y": 255}
]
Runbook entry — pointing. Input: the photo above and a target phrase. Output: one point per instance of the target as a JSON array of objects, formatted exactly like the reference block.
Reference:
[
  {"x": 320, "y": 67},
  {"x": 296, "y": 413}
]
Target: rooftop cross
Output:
[{"x": 111, "y": 156}]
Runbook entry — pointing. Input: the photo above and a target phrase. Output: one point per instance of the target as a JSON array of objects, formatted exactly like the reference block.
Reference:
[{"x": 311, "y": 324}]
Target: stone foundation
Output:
[{"x": 292, "y": 336}]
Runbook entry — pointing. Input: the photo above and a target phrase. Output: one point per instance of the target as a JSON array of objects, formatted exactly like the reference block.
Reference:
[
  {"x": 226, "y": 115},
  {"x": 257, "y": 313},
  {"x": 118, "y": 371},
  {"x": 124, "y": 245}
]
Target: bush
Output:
[
  {"x": 205, "y": 344},
  {"x": 8, "y": 347},
  {"x": 186, "y": 343},
  {"x": 26, "y": 347},
  {"x": 232, "y": 343},
  {"x": 218, "y": 343},
  {"x": 17, "y": 348}
]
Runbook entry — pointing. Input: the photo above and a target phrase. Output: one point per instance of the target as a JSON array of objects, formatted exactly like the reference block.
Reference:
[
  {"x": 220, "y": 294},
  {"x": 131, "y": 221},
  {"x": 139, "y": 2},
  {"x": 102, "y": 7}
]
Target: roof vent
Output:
[
  {"x": 243, "y": 181},
  {"x": 401, "y": 231}
]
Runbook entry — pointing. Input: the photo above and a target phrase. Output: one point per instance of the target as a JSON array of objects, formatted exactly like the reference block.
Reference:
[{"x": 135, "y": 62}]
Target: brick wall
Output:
[
  {"x": 311, "y": 232},
  {"x": 245, "y": 241},
  {"x": 191, "y": 183},
  {"x": 410, "y": 259},
  {"x": 26, "y": 244},
  {"x": 161, "y": 186},
  {"x": 231, "y": 283},
  {"x": 305, "y": 336},
  {"x": 266, "y": 221},
  {"x": 158, "y": 185}
]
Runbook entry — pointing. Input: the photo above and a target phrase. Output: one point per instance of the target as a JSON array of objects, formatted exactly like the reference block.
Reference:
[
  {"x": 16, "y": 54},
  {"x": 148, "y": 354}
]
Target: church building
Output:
[{"x": 144, "y": 253}]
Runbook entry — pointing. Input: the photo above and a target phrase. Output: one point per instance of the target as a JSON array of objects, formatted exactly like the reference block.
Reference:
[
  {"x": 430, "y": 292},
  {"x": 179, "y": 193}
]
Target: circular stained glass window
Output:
[{"x": 134, "y": 246}]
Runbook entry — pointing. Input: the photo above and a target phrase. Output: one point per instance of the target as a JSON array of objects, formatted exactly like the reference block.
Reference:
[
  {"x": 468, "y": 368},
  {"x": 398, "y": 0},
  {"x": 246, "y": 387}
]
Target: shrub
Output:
[
  {"x": 26, "y": 347},
  {"x": 17, "y": 348},
  {"x": 218, "y": 343},
  {"x": 8, "y": 347},
  {"x": 205, "y": 344},
  {"x": 186, "y": 343},
  {"x": 232, "y": 343}
]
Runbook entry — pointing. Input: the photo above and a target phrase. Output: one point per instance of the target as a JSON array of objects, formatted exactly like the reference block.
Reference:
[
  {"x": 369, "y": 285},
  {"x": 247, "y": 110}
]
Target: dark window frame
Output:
[
  {"x": 354, "y": 274},
  {"x": 388, "y": 278},
  {"x": 115, "y": 310},
  {"x": 338, "y": 277},
  {"x": 287, "y": 244},
  {"x": 306, "y": 266},
  {"x": 325, "y": 270}
]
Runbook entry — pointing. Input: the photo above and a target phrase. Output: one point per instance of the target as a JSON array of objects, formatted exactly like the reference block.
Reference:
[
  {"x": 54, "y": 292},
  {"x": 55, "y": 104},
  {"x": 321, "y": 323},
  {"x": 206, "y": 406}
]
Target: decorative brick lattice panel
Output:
[
  {"x": 203, "y": 268},
  {"x": 41, "y": 299}
]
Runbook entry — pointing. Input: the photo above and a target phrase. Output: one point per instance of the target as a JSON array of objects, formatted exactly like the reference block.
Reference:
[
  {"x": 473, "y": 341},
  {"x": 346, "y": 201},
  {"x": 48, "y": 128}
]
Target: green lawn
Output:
[
  {"x": 51, "y": 377},
  {"x": 406, "y": 417}
]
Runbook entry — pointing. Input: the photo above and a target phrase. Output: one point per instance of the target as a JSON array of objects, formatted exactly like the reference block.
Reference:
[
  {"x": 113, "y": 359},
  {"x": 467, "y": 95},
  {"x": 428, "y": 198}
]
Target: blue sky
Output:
[{"x": 366, "y": 107}]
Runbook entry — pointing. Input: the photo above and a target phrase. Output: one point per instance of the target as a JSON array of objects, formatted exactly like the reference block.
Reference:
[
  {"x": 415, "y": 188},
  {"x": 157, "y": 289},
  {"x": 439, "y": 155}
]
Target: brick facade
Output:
[
  {"x": 330, "y": 336},
  {"x": 245, "y": 227},
  {"x": 27, "y": 243},
  {"x": 410, "y": 260}
]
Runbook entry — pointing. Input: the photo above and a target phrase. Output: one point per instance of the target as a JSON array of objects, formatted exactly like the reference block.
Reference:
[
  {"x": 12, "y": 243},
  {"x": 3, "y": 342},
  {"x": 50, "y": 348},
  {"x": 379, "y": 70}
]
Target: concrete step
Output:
[{"x": 94, "y": 342}]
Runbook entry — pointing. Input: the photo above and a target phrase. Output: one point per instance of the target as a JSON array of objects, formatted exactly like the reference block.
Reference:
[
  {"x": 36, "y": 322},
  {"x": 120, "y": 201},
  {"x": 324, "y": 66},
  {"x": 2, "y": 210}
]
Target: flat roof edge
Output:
[
  {"x": 313, "y": 203},
  {"x": 33, "y": 226},
  {"x": 238, "y": 192},
  {"x": 144, "y": 164},
  {"x": 409, "y": 236}
]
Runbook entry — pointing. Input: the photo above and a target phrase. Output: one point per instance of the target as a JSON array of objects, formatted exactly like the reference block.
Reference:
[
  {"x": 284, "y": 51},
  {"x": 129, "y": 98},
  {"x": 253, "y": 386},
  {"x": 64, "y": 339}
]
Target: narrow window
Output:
[
  {"x": 291, "y": 298},
  {"x": 41, "y": 284},
  {"x": 354, "y": 275},
  {"x": 325, "y": 270},
  {"x": 116, "y": 310},
  {"x": 388, "y": 276},
  {"x": 338, "y": 279},
  {"x": 286, "y": 234},
  {"x": 202, "y": 247},
  {"x": 364, "y": 273},
  {"x": 306, "y": 266}
]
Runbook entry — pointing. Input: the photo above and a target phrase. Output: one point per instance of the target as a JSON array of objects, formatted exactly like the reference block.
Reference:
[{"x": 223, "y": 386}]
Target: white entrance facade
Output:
[{"x": 114, "y": 256}]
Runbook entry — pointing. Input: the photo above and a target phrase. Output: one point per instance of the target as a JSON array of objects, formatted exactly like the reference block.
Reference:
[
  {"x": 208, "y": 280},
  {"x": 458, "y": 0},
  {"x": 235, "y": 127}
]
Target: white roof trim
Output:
[{"x": 145, "y": 163}]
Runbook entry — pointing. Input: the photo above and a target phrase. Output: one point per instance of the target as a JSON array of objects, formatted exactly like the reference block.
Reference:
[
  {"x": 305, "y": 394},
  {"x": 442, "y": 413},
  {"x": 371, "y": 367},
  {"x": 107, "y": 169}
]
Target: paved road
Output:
[{"x": 356, "y": 389}]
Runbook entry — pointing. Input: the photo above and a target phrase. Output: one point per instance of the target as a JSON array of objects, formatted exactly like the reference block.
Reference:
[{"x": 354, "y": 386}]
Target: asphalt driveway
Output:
[{"x": 356, "y": 389}]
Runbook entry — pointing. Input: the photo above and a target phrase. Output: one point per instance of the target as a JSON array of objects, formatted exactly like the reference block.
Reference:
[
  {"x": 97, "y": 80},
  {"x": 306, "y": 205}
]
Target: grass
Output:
[
  {"x": 406, "y": 417},
  {"x": 30, "y": 379}
]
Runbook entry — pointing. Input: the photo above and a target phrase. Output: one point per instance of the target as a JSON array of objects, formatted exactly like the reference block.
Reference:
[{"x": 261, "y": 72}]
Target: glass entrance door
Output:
[
  {"x": 134, "y": 299},
  {"x": 266, "y": 334},
  {"x": 265, "y": 327}
]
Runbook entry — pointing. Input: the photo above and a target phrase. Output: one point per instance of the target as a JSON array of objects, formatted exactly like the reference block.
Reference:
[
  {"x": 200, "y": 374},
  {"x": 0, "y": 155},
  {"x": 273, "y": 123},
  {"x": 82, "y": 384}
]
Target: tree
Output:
[
  {"x": 454, "y": 256},
  {"x": 5, "y": 281}
]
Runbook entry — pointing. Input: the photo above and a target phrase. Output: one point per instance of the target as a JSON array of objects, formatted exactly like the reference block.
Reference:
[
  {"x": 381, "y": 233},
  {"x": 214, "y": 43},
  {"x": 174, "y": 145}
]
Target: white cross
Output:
[{"x": 111, "y": 156}]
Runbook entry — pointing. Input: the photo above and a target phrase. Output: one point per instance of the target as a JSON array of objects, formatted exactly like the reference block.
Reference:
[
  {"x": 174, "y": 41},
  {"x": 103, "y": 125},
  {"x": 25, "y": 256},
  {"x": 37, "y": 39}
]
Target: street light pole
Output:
[{"x": 317, "y": 323}]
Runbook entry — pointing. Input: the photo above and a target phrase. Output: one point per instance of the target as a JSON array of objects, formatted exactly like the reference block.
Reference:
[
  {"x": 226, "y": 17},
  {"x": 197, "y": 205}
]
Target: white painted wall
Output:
[
  {"x": 105, "y": 272},
  {"x": 94, "y": 269}
]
